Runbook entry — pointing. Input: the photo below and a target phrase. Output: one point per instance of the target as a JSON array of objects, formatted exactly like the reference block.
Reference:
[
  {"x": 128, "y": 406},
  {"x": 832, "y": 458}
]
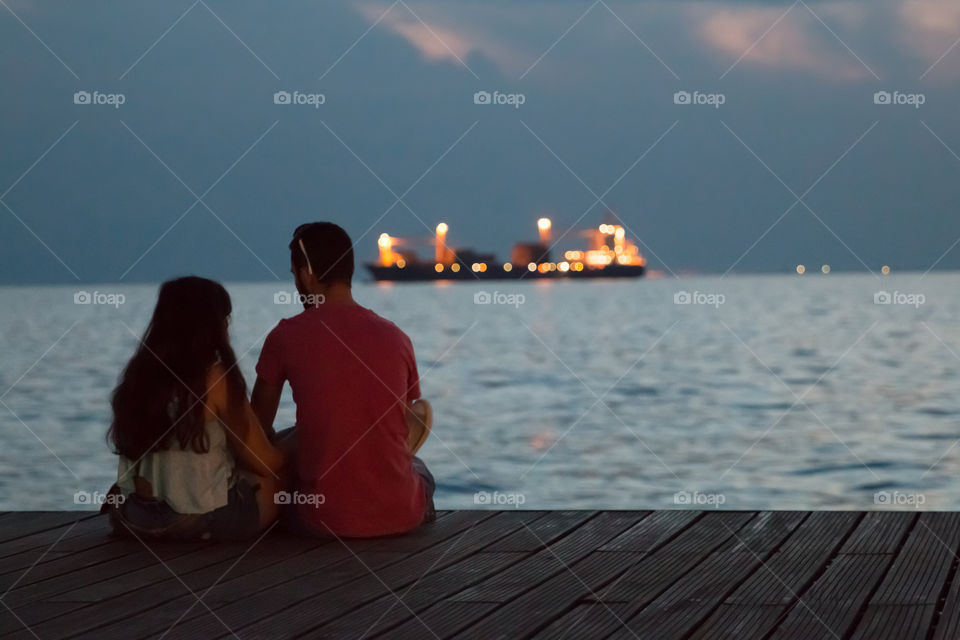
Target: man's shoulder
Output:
[
  {"x": 355, "y": 316},
  {"x": 387, "y": 327}
]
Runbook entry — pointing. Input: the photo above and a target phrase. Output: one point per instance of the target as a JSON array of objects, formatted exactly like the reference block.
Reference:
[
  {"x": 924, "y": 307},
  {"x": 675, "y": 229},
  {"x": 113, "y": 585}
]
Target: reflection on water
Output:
[{"x": 797, "y": 392}]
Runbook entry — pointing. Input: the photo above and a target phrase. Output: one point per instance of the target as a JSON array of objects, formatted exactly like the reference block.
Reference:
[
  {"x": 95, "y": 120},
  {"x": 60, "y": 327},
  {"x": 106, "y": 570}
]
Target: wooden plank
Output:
[
  {"x": 25, "y": 523},
  {"x": 664, "y": 574},
  {"x": 159, "y": 605},
  {"x": 389, "y": 611},
  {"x": 536, "y": 608},
  {"x": 682, "y": 608},
  {"x": 833, "y": 603},
  {"x": 62, "y": 537},
  {"x": 141, "y": 596},
  {"x": 895, "y": 622},
  {"x": 651, "y": 532},
  {"x": 920, "y": 569},
  {"x": 880, "y": 532},
  {"x": 608, "y": 608},
  {"x": 380, "y": 590},
  {"x": 76, "y": 542},
  {"x": 592, "y": 619},
  {"x": 655, "y": 573},
  {"x": 563, "y": 588},
  {"x": 298, "y": 578},
  {"x": 143, "y": 566},
  {"x": 948, "y": 626},
  {"x": 791, "y": 567},
  {"x": 788, "y": 568},
  {"x": 550, "y": 560},
  {"x": 908, "y": 598},
  {"x": 765, "y": 532},
  {"x": 99, "y": 564}
]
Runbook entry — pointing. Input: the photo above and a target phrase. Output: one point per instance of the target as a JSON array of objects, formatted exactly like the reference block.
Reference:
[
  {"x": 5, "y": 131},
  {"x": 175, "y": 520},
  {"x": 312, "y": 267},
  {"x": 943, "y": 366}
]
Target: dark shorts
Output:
[
  {"x": 239, "y": 519},
  {"x": 292, "y": 522}
]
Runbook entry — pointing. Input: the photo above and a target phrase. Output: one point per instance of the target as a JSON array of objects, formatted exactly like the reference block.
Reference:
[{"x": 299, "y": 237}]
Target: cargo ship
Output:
[{"x": 609, "y": 254}]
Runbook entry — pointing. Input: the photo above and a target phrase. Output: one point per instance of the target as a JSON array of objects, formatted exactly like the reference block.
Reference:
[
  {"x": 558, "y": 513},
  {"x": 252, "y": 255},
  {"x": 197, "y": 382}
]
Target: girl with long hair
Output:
[{"x": 194, "y": 460}]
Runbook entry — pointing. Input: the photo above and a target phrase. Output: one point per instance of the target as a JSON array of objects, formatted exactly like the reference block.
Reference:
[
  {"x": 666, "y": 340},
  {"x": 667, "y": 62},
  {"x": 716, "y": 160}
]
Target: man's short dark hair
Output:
[{"x": 326, "y": 249}]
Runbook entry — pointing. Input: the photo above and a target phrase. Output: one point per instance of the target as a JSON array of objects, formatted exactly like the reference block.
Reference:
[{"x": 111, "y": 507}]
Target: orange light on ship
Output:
[
  {"x": 544, "y": 224},
  {"x": 387, "y": 257},
  {"x": 441, "y": 246}
]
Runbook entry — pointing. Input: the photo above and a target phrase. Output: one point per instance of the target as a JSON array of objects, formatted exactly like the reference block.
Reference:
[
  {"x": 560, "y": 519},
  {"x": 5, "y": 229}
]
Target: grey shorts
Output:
[
  {"x": 239, "y": 519},
  {"x": 292, "y": 522}
]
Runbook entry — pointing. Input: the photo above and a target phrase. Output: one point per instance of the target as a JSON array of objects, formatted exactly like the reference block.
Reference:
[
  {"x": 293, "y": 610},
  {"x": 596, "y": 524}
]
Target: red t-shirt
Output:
[{"x": 352, "y": 374}]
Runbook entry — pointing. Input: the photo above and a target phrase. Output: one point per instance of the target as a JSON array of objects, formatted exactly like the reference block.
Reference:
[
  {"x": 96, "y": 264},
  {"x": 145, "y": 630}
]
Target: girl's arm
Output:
[{"x": 250, "y": 444}]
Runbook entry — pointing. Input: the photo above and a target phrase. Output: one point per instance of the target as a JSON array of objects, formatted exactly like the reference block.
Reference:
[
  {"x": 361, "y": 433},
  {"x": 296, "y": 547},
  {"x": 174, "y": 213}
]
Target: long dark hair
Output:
[{"x": 161, "y": 393}]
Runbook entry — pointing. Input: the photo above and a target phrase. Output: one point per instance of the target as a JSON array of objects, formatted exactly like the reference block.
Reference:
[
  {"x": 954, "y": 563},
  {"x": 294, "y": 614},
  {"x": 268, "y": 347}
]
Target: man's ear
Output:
[{"x": 307, "y": 279}]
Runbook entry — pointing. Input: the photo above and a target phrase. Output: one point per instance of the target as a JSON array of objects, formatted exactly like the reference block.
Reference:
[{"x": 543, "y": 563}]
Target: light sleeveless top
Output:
[{"x": 188, "y": 481}]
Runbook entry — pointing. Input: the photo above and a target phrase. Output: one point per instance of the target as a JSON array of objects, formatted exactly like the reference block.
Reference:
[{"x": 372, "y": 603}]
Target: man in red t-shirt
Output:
[{"x": 354, "y": 381}]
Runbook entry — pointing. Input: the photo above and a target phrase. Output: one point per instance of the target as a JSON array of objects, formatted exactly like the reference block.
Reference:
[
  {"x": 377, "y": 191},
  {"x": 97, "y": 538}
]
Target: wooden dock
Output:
[{"x": 498, "y": 574}]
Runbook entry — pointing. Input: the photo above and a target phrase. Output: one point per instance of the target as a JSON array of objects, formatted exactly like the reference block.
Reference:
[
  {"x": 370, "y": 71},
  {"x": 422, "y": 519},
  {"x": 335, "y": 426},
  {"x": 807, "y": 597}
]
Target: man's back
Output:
[{"x": 352, "y": 374}]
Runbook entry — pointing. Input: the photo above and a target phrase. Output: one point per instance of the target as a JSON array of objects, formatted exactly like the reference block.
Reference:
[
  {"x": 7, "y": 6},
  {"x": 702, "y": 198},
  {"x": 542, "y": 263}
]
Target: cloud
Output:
[
  {"x": 930, "y": 29},
  {"x": 445, "y": 37},
  {"x": 774, "y": 38}
]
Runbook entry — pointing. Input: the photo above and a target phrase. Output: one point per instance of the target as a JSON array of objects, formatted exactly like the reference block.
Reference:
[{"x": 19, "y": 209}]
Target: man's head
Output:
[{"x": 321, "y": 256}]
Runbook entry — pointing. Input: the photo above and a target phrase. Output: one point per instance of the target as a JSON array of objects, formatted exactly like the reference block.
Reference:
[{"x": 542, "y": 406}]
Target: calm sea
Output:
[{"x": 785, "y": 392}]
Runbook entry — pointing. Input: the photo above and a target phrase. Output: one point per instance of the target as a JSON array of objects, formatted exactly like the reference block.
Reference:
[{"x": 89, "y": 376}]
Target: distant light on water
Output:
[
  {"x": 801, "y": 269},
  {"x": 825, "y": 268},
  {"x": 885, "y": 270}
]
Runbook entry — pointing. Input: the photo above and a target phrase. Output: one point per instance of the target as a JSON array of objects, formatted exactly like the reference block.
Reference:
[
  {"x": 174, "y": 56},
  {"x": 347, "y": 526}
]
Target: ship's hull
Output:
[{"x": 427, "y": 272}]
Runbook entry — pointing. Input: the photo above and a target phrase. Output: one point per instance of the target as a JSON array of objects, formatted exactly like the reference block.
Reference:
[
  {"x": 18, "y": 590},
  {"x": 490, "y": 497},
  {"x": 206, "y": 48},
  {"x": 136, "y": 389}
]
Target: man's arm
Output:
[{"x": 265, "y": 399}]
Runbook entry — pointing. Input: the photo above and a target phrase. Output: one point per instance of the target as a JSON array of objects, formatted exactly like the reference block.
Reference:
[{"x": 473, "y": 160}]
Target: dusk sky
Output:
[{"x": 199, "y": 171}]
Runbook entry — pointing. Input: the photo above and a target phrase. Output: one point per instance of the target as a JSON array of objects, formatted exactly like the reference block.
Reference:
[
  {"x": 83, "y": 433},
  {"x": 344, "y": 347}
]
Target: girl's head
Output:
[{"x": 160, "y": 397}]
